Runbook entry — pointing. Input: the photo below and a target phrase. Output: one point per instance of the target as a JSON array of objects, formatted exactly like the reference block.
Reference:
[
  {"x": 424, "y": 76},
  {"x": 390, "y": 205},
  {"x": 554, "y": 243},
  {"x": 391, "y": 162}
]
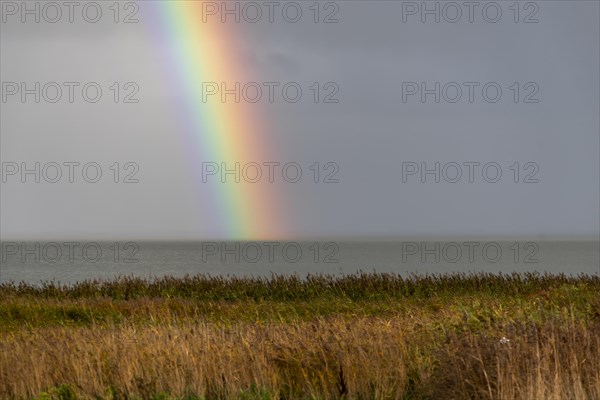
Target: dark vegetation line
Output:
[{"x": 361, "y": 286}]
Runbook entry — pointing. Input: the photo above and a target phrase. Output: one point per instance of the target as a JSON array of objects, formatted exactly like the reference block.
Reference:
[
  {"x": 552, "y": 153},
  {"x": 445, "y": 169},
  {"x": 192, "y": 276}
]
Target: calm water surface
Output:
[{"x": 69, "y": 262}]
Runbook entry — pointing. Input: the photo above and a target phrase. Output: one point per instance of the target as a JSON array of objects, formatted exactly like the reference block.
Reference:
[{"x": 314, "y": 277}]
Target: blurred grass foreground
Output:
[{"x": 363, "y": 336}]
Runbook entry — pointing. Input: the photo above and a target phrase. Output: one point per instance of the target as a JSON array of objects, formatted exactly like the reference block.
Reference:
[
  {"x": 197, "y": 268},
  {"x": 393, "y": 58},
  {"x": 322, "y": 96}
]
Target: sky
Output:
[{"x": 371, "y": 141}]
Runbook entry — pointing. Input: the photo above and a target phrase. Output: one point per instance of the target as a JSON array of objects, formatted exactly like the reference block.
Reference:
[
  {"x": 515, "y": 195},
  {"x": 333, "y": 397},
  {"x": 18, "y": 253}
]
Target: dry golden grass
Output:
[
  {"x": 383, "y": 344},
  {"x": 551, "y": 362},
  {"x": 322, "y": 359}
]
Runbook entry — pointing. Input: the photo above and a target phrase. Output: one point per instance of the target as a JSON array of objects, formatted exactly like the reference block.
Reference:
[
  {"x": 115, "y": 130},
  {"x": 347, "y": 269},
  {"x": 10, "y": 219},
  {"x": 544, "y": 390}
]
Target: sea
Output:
[{"x": 69, "y": 262}]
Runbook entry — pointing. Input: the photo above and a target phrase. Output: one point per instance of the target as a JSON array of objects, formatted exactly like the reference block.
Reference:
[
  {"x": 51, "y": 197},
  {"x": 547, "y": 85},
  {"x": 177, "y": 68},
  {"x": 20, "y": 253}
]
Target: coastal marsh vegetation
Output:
[{"x": 363, "y": 336}]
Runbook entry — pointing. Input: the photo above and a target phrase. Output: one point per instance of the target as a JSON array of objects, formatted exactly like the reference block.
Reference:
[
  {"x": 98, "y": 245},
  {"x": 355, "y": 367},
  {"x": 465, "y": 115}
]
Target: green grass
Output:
[
  {"x": 363, "y": 286},
  {"x": 481, "y": 297}
]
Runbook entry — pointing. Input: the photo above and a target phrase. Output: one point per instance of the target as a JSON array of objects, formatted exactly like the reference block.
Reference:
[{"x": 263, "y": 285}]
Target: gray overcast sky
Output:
[{"x": 369, "y": 133}]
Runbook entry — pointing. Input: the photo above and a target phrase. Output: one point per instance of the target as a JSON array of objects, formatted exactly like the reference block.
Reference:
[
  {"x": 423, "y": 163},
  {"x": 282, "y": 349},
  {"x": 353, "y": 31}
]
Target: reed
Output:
[{"x": 364, "y": 336}]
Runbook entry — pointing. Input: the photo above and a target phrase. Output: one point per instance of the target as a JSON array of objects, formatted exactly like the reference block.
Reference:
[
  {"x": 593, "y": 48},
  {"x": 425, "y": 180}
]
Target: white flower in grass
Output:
[{"x": 504, "y": 340}]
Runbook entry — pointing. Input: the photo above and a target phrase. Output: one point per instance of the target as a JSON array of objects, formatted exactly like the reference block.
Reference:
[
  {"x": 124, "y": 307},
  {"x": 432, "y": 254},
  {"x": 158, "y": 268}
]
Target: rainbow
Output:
[{"x": 214, "y": 131}]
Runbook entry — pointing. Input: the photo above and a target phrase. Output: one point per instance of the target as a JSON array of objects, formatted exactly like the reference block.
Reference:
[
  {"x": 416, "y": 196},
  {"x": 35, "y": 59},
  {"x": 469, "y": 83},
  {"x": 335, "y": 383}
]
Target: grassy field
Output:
[{"x": 366, "y": 336}]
